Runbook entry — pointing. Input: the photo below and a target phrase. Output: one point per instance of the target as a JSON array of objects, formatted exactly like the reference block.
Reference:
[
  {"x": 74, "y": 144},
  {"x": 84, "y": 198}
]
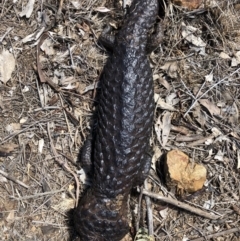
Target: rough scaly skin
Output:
[{"x": 125, "y": 117}]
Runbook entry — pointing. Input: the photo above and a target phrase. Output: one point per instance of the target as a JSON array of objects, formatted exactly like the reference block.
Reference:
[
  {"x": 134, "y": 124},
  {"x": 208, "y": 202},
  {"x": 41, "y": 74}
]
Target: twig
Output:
[
  {"x": 149, "y": 212},
  {"x": 4, "y": 35},
  {"x": 59, "y": 12},
  {"x": 201, "y": 141},
  {"x": 61, "y": 163},
  {"x": 207, "y": 237},
  {"x": 37, "y": 195},
  {"x": 181, "y": 205},
  {"x": 71, "y": 57},
  {"x": 219, "y": 82},
  {"x": 139, "y": 209},
  {"x": 19, "y": 132},
  {"x": 13, "y": 179},
  {"x": 19, "y": 197}
]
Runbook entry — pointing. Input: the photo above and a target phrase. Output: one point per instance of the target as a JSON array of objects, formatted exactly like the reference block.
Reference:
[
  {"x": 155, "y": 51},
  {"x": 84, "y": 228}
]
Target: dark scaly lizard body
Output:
[{"x": 125, "y": 118}]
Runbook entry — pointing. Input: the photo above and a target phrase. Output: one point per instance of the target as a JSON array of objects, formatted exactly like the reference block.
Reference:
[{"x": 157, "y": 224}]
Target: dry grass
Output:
[{"x": 197, "y": 111}]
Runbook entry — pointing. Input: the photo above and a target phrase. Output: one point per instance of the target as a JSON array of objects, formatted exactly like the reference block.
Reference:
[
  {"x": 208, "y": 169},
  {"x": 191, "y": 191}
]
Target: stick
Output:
[
  {"x": 181, "y": 205},
  {"x": 13, "y": 179},
  {"x": 207, "y": 237},
  {"x": 37, "y": 195},
  {"x": 149, "y": 212}
]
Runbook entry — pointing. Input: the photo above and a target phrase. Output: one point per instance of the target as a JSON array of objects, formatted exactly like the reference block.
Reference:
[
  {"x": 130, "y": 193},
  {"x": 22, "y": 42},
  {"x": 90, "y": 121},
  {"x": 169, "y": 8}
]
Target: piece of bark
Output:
[{"x": 181, "y": 174}]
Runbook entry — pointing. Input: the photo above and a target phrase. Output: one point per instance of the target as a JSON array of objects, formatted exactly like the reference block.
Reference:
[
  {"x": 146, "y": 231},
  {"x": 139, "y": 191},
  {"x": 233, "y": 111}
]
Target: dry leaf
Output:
[
  {"x": 212, "y": 108},
  {"x": 13, "y": 127},
  {"x": 162, "y": 104},
  {"x": 62, "y": 56},
  {"x": 157, "y": 153},
  {"x": 171, "y": 68},
  {"x": 77, "y": 4},
  {"x": 237, "y": 56},
  {"x": 40, "y": 145},
  {"x": 224, "y": 55},
  {"x": 238, "y": 159},
  {"x": 166, "y": 127},
  {"x": 65, "y": 204},
  {"x": 209, "y": 204},
  {"x": 102, "y": 9},
  {"x": 7, "y": 65},
  {"x": 11, "y": 217},
  {"x": 162, "y": 81},
  {"x": 47, "y": 47},
  {"x": 216, "y": 132},
  {"x": 209, "y": 77},
  {"x": 27, "y": 11},
  {"x": 234, "y": 62},
  {"x": 34, "y": 36},
  {"x": 189, "y": 33},
  {"x": 164, "y": 213},
  {"x": 171, "y": 99},
  {"x": 219, "y": 156},
  {"x": 189, "y": 4},
  {"x": 199, "y": 116}
]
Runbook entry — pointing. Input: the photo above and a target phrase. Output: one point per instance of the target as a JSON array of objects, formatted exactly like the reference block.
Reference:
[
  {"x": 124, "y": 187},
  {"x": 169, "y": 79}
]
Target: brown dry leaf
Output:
[
  {"x": 28, "y": 9},
  {"x": 164, "y": 213},
  {"x": 212, "y": 108},
  {"x": 198, "y": 115},
  {"x": 65, "y": 204},
  {"x": 47, "y": 47},
  {"x": 190, "y": 34},
  {"x": 40, "y": 145},
  {"x": 166, "y": 127},
  {"x": 77, "y": 4},
  {"x": 162, "y": 81},
  {"x": 61, "y": 56},
  {"x": 162, "y": 104},
  {"x": 234, "y": 119},
  {"x": 189, "y": 4},
  {"x": 11, "y": 217},
  {"x": 7, "y": 65},
  {"x": 209, "y": 77},
  {"x": 238, "y": 159},
  {"x": 13, "y": 127},
  {"x": 157, "y": 153},
  {"x": 224, "y": 55},
  {"x": 182, "y": 174},
  {"x": 219, "y": 156},
  {"x": 102, "y": 9},
  {"x": 48, "y": 229},
  {"x": 171, "y": 68},
  {"x": 6, "y": 149}
]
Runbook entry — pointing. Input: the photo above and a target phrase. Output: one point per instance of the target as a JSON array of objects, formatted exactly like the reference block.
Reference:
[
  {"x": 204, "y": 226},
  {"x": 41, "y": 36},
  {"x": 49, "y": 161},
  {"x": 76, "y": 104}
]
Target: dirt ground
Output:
[{"x": 50, "y": 64}]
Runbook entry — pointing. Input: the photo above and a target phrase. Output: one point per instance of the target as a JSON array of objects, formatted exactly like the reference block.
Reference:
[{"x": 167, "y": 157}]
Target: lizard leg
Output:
[
  {"x": 143, "y": 173},
  {"x": 107, "y": 39},
  {"x": 85, "y": 157},
  {"x": 155, "y": 39}
]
